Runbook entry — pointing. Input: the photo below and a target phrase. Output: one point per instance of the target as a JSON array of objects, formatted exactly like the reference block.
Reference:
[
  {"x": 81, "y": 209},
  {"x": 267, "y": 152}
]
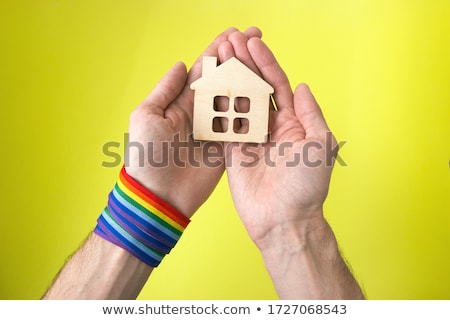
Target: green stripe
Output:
[{"x": 147, "y": 212}]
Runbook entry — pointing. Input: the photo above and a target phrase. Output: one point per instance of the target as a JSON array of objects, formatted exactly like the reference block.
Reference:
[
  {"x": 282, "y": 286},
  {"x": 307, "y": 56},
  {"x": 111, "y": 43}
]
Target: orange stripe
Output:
[{"x": 178, "y": 218}]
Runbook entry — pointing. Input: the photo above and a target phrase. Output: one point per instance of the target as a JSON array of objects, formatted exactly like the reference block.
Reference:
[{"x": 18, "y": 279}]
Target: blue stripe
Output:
[
  {"x": 110, "y": 237},
  {"x": 152, "y": 225},
  {"x": 144, "y": 253},
  {"x": 99, "y": 230},
  {"x": 137, "y": 233}
]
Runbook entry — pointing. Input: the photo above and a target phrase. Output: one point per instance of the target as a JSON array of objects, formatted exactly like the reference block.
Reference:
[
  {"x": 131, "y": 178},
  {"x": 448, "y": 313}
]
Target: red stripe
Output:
[{"x": 154, "y": 200}]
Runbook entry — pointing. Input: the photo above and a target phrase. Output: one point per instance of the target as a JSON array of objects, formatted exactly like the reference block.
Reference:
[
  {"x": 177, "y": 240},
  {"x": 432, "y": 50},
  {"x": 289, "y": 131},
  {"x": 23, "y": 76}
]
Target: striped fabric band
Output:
[{"x": 138, "y": 221}]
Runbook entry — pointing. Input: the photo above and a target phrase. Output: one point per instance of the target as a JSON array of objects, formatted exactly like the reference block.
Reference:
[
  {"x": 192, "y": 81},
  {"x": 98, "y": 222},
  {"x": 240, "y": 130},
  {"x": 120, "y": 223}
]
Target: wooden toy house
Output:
[{"x": 232, "y": 82}]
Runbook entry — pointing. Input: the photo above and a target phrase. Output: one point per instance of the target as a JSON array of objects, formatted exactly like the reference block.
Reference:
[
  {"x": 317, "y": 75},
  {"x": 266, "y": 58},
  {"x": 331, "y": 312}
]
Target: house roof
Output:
[{"x": 232, "y": 74}]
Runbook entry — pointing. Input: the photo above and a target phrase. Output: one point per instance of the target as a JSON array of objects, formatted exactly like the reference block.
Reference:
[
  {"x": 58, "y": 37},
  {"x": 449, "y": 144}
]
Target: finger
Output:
[
  {"x": 222, "y": 103},
  {"x": 239, "y": 42},
  {"x": 196, "y": 71},
  {"x": 167, "y": 89},
  {"x": 241, "y": 104},
  {"x": 271, "y": 72},
  {"x": 253, "y": 32},
  {"x": 308, "y": 112},
  {"x": 225, "y": 51}
]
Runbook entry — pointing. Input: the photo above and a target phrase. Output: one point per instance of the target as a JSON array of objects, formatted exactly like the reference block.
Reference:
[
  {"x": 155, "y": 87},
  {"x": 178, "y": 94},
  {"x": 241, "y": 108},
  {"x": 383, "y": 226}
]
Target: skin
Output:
[{"x": 280, "y": 206}]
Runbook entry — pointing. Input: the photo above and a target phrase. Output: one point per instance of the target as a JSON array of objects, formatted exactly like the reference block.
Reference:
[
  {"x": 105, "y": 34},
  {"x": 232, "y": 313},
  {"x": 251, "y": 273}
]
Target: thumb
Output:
[
  {"x": 168, "y": 88},
  {"x": 308, "y": 112}
]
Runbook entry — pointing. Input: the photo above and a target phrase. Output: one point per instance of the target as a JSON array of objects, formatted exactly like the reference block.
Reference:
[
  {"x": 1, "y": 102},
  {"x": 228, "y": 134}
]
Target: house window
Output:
[
  {"x": 241, "y": 104},
  {"x": 234, "y": 117},
  {"x": 221, "y": 103},
  {"x": 241, "y": 125},
  {"x": 220, "y": 124}
]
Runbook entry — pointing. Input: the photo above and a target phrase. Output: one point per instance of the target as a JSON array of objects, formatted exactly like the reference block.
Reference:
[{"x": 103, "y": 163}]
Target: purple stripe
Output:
[
  {"x": 143, "y": 237},
  {"x": 99, "y": 231},
  {"x": 117, "y": 211},
  {"x": 150, "y": 226},
  {"x": 105, "y": 234},
  {"x": 113, "y": 239}
]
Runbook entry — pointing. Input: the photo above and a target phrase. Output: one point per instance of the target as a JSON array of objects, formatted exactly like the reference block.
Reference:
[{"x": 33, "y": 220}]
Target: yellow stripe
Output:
[{"x": 149, "y": 207}]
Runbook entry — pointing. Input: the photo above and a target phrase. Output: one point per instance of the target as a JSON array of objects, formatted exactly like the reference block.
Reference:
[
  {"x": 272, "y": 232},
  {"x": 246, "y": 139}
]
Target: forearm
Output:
[
  {"x": 100, "y": 270},
  {"x": 304, "y": 262}
]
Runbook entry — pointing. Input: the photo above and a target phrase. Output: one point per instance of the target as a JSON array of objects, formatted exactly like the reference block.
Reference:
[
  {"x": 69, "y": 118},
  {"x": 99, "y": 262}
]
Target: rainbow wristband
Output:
[{"x": 138, "y": 221}]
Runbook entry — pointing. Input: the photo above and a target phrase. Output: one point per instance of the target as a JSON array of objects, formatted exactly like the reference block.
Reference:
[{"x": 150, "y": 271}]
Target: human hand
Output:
[
  {"x": 281, "y": 185},
  {"x": 162, "y": 154}
]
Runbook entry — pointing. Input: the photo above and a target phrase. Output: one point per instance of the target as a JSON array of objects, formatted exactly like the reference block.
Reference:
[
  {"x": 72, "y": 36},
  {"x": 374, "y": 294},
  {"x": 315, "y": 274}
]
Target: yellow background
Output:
[{"x": 71, "y": 72}]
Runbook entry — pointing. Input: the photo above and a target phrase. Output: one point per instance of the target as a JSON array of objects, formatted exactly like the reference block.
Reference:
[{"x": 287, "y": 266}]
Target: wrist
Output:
[
  {"x": 304, "y": 262},
  {"x": 139, "y": 221},
  {"x": 294, "y": 235},
  {"x": 295, "y": 245}
]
